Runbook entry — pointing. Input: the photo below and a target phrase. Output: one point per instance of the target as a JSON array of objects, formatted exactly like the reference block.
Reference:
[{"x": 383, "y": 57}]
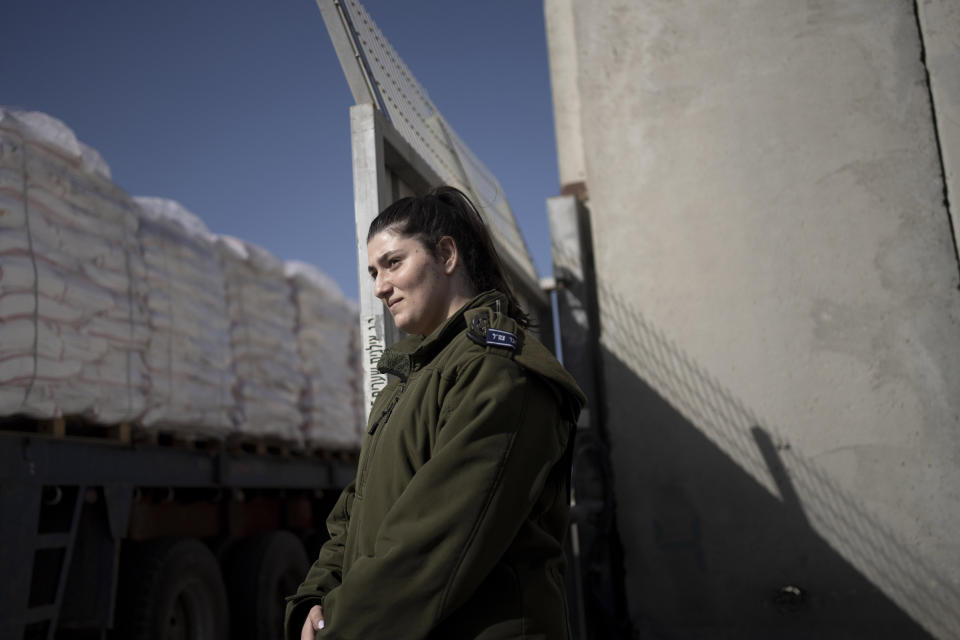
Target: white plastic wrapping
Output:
[
  {"x": 72, "y": 313},
  {"x": 264, "y": 349},
  {"x": 327, "y": 335},
  {"x": 188, "y": 355},
  {"x": 129, "y": 310}
]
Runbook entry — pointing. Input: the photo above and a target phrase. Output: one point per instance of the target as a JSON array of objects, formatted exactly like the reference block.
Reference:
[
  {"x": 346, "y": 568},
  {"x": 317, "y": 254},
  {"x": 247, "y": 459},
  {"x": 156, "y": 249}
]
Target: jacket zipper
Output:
[
  {"x": 385, "y": 415},
  {"x": 371, "y": 449}
]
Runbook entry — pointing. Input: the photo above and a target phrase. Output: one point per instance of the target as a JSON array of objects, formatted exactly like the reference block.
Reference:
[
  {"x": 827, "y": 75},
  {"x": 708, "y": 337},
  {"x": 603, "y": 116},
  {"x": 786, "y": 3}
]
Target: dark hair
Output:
[{"x": 447, "y": 211}]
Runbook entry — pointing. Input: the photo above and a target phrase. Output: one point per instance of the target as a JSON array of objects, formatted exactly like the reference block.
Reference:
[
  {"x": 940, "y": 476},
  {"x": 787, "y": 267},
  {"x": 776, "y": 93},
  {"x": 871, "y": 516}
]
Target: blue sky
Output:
[{"x": 239, "y": 109}]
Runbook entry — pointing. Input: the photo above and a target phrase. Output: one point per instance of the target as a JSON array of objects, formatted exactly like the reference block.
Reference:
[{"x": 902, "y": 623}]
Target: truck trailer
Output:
[{"x": 178, "y": 410}]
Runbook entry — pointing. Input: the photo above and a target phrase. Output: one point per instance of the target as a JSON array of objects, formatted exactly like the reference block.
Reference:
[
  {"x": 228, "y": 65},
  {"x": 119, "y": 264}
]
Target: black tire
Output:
[
  {"x": 260, "y": 572},
  {"x": 170, "y": 589},
  {"x": 222, "y": 549}
]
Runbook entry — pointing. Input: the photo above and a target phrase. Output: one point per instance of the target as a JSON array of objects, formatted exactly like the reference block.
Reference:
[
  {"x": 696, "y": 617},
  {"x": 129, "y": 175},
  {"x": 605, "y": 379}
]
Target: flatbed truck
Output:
[{"x": 125, "y": 536}]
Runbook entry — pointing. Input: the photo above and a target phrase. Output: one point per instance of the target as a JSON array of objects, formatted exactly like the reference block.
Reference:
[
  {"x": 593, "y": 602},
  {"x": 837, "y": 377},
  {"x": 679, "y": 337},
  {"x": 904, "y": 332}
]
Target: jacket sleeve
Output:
[
  {"x": 326, "y": 573},
  {"x": 499, "y": 435}
]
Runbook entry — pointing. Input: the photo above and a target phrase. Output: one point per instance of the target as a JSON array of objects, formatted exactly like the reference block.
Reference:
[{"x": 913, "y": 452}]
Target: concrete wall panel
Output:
[
  {"x": 562, "y": 44},
  {"x": 780, "y": 314}
]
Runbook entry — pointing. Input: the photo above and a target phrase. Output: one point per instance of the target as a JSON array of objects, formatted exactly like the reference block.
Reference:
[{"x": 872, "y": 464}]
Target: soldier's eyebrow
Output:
[
  {"x": 381, "y": 259},
  {"x": 386, "y": 255}
]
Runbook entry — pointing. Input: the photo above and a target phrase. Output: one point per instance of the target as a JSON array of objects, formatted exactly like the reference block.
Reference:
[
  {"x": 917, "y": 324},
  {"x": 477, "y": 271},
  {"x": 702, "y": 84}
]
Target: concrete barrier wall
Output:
[
  {"x": 940, "y": 29},
  {"x": 780, "y": 314}
]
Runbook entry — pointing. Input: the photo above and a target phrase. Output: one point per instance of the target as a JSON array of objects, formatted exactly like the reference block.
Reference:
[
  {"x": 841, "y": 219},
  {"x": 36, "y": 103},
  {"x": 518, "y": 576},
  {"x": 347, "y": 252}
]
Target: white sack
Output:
[
  {"x": 324, "y": 326},
  {"x": 69, "y": 277},
  {"x": 188, "y": 355},
  {"x": 265, "y": 360}
]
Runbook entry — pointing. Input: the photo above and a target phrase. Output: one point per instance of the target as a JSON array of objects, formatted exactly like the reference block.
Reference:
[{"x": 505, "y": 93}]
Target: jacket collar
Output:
[{"x": 414, "y": 351}]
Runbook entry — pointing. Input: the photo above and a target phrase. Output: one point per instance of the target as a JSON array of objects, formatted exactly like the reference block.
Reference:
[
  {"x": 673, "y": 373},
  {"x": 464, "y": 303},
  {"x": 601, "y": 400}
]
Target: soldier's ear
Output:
[{"x": 448, "y": 254}]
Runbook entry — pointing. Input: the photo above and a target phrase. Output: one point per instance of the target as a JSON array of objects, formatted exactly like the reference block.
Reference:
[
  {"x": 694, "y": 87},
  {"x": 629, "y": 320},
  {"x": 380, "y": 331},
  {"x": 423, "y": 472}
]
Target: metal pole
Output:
[{"x": 593, "y": 526}]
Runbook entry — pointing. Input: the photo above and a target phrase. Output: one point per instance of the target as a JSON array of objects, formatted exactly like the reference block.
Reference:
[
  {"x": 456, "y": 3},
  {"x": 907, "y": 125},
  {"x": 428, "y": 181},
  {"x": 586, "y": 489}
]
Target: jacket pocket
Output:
[
  {"x": 374, "y": 432},
  {"x": 495, "y": 611}
]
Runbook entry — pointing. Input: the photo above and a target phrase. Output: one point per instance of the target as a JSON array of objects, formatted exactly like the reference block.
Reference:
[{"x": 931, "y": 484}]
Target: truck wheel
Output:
[
  {"x": 261, "y": 571},
  {"x": 171, "y": 589}
]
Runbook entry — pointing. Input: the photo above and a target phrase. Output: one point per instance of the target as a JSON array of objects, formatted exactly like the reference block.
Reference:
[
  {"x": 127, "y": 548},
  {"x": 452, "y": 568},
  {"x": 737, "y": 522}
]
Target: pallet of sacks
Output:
[
  {"x": 116, "y": 310},
  {"x": 260, "y": 308},
  {"x": 188, "y": 355},
  {"x": 73, "y": 323},
  {"x": 327, "y": 333}
]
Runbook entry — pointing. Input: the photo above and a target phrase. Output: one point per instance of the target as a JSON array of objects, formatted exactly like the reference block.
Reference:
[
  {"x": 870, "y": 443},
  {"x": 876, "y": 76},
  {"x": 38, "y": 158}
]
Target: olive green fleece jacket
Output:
[{"x": 454, "y": 525}]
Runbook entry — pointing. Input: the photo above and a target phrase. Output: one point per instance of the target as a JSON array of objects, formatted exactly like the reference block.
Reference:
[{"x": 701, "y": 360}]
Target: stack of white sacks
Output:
[
  {"x": 327, "y": 332},
  {"x": 264, "y": 347},
  {"x": 189, "y": 350},
  {"x": 73, "y": 328},
  {"x": 123, "y": 310}
]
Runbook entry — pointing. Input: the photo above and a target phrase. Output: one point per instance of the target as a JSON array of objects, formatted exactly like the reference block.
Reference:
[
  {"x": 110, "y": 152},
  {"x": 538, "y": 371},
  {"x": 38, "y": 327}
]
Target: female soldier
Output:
[{"x": 454, "y": 525}]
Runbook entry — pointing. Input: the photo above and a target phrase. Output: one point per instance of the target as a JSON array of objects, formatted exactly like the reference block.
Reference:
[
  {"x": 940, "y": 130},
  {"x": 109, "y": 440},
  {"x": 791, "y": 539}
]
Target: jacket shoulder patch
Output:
[
  {"x": 500, "y": 338},
  {"x": 489, "y": 329}
]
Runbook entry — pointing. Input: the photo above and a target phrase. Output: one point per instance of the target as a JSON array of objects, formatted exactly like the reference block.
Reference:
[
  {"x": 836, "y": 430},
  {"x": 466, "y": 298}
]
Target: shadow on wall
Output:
[{"x": 728, "y": 531}]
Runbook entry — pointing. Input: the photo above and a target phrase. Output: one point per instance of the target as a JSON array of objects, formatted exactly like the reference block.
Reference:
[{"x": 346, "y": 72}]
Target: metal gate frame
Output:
[
  {"x": 386, "y": 168},
  {"x": 402, "y": 145}
]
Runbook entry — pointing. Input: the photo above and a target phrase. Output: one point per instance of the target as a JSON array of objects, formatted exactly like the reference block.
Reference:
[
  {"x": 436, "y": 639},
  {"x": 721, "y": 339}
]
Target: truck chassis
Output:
[{"x": 97, "y": 534}]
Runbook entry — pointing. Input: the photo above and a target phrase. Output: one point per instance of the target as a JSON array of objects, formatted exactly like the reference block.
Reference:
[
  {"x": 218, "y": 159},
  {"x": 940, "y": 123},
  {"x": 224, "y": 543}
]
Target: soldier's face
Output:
[{"x": 411, "y": 282}]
